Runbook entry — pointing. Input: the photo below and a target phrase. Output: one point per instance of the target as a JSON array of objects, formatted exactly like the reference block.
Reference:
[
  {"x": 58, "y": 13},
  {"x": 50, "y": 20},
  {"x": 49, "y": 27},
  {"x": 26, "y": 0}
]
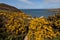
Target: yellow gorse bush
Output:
[
  {"x": 57, "y": 23},
  {"x": 40, "y": 29},
  {"x": 15, "y": 23},
  {"x": 15, "y": 26}
]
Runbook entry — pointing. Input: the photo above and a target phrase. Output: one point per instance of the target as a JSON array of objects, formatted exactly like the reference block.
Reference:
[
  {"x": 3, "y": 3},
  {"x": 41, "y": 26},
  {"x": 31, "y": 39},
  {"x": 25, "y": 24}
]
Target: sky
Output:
[{"x": 33, "y": 4}]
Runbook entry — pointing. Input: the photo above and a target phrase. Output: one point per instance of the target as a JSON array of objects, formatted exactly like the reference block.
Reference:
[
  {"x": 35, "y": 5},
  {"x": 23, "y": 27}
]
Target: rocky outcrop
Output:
[{"x": 55, "y": 10}]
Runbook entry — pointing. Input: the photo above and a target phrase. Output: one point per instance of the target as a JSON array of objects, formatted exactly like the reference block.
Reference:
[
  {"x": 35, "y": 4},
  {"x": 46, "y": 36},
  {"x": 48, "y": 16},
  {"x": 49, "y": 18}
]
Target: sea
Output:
[{"x": 38, "y": 12}]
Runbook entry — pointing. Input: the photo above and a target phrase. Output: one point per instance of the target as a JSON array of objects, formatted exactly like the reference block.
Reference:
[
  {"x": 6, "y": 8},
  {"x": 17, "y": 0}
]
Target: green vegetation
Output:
[{"x": 12, "y": 25}]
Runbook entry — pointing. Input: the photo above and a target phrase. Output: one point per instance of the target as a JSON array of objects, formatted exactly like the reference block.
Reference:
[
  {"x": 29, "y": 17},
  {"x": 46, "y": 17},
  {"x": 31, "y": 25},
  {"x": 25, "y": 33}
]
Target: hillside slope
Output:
[{"x": 9, "y": 8}]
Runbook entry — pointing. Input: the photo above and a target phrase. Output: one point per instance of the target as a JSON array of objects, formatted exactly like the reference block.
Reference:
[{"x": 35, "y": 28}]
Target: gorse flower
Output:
[
  {"x": 41, "y": 29},
  {"x": 15, "y": 25}
]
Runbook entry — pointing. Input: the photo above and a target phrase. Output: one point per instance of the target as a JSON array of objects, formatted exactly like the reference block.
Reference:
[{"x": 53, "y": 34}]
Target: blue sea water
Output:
[{"x": 38, "y": 12}]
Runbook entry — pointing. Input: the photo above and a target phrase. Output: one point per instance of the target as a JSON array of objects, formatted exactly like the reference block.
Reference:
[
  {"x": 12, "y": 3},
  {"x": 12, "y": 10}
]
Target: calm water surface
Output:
[{"x": 38, "y": 12}]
